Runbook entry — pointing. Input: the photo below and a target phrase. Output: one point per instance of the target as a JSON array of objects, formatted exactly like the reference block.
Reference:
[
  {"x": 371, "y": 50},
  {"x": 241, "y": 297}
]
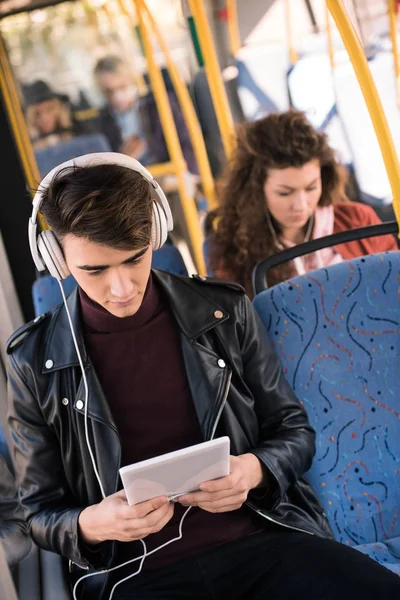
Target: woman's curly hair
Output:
[{"x": 238, "y": 231}]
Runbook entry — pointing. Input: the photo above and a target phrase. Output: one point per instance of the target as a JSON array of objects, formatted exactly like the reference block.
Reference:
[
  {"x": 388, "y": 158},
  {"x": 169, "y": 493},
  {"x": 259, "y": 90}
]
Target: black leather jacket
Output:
[
  {"x": 237, "y": 388},
  {"x": 13, "y": 531}
]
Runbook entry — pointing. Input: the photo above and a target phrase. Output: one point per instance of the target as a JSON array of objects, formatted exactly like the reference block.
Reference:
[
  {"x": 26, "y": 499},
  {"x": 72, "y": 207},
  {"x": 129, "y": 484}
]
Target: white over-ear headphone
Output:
[{"x": 45, "y": 249}]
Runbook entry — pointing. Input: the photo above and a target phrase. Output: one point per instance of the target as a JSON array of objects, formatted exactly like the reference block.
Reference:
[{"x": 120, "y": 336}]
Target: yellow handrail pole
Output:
[
  {"x": 288, "y": 20},
  {"x": 173, "y": 145},
  {"x": 189, "y": 114},
  {"x": 371, "y": 97},
  {"x": 233, "y": 27},
  {"x": 18, "y": 124},
  {"x": 160, "y": 169},
  {"x": 331, "y": 49},
  {"x": 395, "y": 46},
  {"x": 217, "y": 89}
]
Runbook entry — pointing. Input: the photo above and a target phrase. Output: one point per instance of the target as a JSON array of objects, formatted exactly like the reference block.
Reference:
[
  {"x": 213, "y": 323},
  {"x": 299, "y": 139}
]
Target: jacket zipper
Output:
[
  {"x": 259, "y": 512},
  {"x": 221, "y": 408},
  {"x": 217, "y": 418}
]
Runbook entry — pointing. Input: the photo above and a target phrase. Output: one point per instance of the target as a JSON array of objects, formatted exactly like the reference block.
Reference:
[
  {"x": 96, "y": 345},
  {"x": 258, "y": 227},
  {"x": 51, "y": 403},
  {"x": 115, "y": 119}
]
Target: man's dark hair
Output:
[
  {"x": 106, "y": 204},
  {"x": 110, "y": 64}
]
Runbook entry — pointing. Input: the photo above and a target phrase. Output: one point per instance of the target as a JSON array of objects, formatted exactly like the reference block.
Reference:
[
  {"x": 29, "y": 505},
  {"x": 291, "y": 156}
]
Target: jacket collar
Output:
[
  {"x": 194, "y": 311},
  {"x": 60, "y": 350}
]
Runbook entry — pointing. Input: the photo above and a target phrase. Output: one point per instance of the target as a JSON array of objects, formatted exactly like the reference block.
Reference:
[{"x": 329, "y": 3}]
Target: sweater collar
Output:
[{"x": 97, "y": 319}]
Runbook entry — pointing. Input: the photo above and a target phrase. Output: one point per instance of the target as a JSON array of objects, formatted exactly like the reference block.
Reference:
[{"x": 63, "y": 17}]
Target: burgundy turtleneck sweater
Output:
[{"x": 139, "y": 363}]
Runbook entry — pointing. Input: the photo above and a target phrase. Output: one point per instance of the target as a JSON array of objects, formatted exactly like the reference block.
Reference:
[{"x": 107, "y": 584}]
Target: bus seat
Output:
[
  {"x": 50, "y": 157},
  {"x": 168, "y": 258},
  {"x": 46, "y": 292},
  {"x": 259, "y": 104},
  {"x": 202, "y": 101},
  {"x": 337, "y": 333},
  {"x": 206, "y": 255}
]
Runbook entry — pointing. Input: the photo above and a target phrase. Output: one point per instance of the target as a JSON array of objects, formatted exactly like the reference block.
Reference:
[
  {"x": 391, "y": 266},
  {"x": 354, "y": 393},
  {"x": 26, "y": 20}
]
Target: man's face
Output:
[
  {"x": 118, "y": 89},
  {"x": 115, "y": 279}
]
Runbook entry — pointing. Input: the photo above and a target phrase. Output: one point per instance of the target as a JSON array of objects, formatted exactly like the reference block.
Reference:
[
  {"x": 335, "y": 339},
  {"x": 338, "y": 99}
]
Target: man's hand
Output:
[
  {"x": 228, "y": 493},
  {"x": 134, "y": 147},
  {"x": 114, "y": 519}
]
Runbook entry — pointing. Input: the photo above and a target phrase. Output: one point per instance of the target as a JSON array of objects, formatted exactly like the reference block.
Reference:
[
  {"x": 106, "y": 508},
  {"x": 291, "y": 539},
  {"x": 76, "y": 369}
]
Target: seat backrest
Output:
[
  {"x": 168, "y": 258},
  {"x": 46, "y": 292},
  {"x": 203, "y": 104},
  {"x": 50, "y": 157},
  {"x": 206, "y": 255},
  {"x": 337, "y": 333}
]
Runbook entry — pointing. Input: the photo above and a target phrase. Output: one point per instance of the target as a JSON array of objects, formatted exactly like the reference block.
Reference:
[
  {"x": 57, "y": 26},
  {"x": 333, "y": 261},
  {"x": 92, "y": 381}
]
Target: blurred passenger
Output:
[
  {"x": 283, "y": 187},
  {"x": 130, "y": 122},
  {"x": 48, "y": 115}
]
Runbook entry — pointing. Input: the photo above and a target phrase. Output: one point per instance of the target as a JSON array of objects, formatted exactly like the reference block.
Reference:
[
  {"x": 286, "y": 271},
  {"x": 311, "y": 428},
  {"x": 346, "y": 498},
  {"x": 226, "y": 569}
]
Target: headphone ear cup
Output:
[
  {"x": 159, "y": 229},
  {"x": 52, "y": 255}
]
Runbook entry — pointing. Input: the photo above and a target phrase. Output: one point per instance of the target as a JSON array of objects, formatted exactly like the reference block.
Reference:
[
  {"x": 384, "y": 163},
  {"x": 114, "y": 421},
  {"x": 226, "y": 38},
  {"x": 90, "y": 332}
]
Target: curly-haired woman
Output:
[{"x": 283, "y": 187}]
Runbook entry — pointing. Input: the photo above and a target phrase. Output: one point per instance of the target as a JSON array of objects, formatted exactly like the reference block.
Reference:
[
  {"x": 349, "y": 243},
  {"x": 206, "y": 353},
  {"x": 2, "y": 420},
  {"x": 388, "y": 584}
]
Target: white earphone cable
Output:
[
  {"x": 143, "y": 557},
  {"x": 85, "y": 383}
]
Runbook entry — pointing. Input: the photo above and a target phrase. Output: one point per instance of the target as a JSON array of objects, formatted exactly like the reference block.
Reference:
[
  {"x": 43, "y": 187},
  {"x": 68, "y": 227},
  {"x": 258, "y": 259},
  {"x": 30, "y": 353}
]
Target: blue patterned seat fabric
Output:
[{"x": 337, "y": 333}]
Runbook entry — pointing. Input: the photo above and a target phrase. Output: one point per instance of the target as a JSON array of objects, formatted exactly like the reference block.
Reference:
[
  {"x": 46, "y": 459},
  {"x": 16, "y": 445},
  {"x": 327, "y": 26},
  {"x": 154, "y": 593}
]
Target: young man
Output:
[
  {"x": 169, "y": 361},
  {"x": 130, "y": 122}
]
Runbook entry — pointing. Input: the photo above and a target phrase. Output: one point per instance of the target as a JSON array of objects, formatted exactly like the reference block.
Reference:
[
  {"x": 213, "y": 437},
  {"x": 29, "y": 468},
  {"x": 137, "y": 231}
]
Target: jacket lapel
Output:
[{"x": 207, "y": 371}]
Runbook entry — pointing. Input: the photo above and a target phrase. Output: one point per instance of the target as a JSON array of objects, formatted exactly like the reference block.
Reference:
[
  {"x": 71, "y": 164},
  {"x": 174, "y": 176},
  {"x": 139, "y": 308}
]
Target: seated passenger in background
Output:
[
  {"x": 284, "y": 186},
  {"x": 131, "y": 122},
  {"x": 48, "y": 115}
]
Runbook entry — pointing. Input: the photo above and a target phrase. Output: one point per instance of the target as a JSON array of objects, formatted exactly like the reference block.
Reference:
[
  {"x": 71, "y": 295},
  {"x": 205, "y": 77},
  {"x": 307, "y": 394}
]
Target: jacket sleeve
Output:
[
  {"x": 350, "y": 215},
  {"x": 286, "y": 440},
  {"x": 109, "y": 127},
  {"x": 382, "y": 243},
  {"x": 13, "y": 531},
  {"x": 50, "y": 509}
]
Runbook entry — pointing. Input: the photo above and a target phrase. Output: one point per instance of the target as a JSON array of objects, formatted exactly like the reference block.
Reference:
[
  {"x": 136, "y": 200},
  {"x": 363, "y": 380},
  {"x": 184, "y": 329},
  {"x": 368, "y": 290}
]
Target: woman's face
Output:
[
  {"x": 292, "y": 194},
  {"x": 46, "y": 115}
]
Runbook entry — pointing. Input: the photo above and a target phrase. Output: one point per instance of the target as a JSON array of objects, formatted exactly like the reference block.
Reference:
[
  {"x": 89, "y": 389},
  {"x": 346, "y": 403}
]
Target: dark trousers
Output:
[{"x": 276, "y": 564}]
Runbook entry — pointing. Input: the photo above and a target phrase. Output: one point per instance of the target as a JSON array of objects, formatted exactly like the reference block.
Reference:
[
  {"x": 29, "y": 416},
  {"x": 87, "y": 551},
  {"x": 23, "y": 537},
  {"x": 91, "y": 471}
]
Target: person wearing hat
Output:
[{"x": 48, "y": 115}]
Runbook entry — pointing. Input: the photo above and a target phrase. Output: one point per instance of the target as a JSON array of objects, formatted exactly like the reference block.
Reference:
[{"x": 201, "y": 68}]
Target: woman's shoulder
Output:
[{"x": 356, "y": 213}]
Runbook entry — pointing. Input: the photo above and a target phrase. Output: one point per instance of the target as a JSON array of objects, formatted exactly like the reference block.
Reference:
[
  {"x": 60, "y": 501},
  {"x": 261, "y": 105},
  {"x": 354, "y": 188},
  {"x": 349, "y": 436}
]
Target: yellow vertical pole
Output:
[
  {"x": 18, "y": 124},
  {"x": 371, "y": 97},
  {"x": 331, "y": 49},
  {"x": 217, "y": 89},
  {"x": 189, "y": 114},
  {"x": 172, "y": 141},
  {"x": 395, "y": 46},
  {"x": 233, "y": 27},
  {"x": 288, "y": 20}
]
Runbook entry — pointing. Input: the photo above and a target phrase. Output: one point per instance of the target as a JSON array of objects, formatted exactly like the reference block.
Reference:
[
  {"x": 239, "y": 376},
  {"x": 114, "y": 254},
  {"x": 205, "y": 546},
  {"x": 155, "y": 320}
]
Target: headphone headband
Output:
[
  {"x": 102, "y": 158},
  {"x": 90, "y": 160}
]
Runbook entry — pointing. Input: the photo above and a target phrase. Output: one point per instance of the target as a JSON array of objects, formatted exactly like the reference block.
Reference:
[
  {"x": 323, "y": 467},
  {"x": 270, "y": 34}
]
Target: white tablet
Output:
[{"x": 176, "y": 473}]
